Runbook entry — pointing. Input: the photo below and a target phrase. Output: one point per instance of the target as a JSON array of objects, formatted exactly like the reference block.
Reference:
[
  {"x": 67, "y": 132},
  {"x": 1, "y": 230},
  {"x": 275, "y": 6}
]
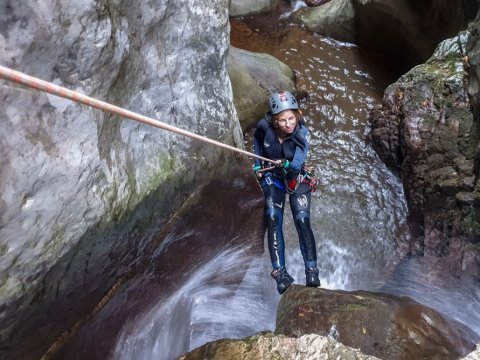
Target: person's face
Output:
[{"x": 286, "y": 121}]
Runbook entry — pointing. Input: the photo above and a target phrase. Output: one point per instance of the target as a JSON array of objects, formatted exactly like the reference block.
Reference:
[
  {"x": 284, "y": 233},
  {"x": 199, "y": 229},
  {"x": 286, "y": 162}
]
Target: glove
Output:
[
  {"x": 284, "y": 164},
  {"x": 256, "y": 169}
]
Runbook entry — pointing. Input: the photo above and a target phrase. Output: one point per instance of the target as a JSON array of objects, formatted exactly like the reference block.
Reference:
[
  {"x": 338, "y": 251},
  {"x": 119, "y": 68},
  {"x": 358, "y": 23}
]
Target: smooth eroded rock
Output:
[
  {"x": 79, "y": 186},
  {"x": 254, "y": 77},
  {"x": 247, "y": 7},
  {"x": 381, "y": 325}
]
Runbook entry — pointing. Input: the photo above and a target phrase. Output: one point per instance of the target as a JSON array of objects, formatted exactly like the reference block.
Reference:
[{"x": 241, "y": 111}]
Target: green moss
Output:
[
  {"x": 435, "y": 73},
  {"x": 118, "y": 206},
  {"x": 429, "y": 120},
  {"x": 447, "y": 66},
  {"x": 57, "y": 241},
  {"x": 363, "y": 303},
  {"x": 310, "y": 17},
  {"x": 250, "y": 343},
  {"x": 115, "y": 210},
  {"x": 166, "y": 170},
  {"x": 470, "y": 224},
  {"x": 3, "y": 281},
  {"x": 352, "y": 307},
  {"x": 9, "y": 285},
  {"x": 110, "y": 195},
  {"x": 448, "y": 183},
  {"x": 3, "y": 249}
]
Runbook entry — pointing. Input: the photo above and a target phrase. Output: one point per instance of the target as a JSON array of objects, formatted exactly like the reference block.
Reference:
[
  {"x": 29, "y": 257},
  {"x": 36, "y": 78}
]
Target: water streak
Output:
[
  {"x": 425, "y": 280},
  {"x": 211, "y": 304}
]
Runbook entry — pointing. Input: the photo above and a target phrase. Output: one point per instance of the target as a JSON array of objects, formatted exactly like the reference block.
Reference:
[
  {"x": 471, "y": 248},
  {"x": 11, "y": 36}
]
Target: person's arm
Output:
[
  {"x": 258, "y": 143},
  {"x": 301, "y": 152}
]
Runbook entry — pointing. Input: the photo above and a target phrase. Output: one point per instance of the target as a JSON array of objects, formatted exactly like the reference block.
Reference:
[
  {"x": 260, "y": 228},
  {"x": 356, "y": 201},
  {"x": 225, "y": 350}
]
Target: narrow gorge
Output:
[{"x": 123, "y": 241}]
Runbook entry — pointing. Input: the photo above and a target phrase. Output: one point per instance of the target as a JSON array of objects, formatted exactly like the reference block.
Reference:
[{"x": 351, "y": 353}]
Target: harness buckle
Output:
[{"x": 310, "y": 177}]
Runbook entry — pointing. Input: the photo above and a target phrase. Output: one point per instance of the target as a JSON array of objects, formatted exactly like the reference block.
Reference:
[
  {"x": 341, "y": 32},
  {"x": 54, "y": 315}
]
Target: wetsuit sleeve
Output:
[
  {"x": 257, "y": 142},
  {"x": 301, "y": 152}
]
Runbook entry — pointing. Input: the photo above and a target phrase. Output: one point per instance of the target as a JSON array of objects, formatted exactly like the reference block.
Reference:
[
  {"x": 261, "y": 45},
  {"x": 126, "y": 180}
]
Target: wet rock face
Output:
[
  {"x": 473, "y": 53},
  {"x": 254, "y": 77},
  {"x": 335, "y": 19},
  {"x": 316, "y": 2},
  {"x": 368, "y": 326},
  {"x": 384, "y": 326},
  {"x": 199, "y": 249},
  {"x": 71, "y": 176},
  {"x": 425, "y": 130},
  {"x": 405, "y": 31},
  {"x": 408, "y": 30},
  {"x": 475, "y": 355},
  {"x": 246, "y": 7}
]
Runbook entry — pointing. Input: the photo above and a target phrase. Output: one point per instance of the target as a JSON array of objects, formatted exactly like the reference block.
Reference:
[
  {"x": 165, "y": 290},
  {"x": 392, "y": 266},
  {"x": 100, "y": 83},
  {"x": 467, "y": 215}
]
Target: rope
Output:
[{"x": 45, "y": 86}]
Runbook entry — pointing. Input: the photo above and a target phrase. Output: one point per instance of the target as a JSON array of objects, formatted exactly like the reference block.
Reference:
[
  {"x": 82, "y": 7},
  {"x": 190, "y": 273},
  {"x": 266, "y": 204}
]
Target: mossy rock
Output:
[
  {"x": 335, "y": 19},
  {"x": 378, "y": 324},
  {"x": 254, "y": 77}
]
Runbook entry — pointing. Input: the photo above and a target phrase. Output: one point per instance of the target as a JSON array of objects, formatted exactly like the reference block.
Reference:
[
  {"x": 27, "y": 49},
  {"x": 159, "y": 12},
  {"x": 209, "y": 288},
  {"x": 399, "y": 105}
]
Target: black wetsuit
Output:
[{"x": 294, "y": 148}]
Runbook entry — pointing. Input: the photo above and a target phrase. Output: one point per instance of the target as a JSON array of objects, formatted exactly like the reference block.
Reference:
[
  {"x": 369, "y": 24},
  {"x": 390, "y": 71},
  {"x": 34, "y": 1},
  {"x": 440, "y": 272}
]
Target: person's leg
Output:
[
  {"x": 274, "y": 208},
  {"x": 300, "y": 206}
]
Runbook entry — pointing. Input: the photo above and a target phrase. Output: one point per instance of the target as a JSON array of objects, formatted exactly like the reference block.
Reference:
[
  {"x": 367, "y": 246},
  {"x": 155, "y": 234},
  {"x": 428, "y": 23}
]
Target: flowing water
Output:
[
  {"x": 359, "y": 211},
  {"x": 358, "y": 216},
  {"x": 206, "y": 307}
]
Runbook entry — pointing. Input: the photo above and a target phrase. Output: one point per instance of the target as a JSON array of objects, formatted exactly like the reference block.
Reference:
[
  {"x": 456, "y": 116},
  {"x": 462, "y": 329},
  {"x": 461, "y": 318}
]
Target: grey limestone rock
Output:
[{"x": 72, "y": 176}]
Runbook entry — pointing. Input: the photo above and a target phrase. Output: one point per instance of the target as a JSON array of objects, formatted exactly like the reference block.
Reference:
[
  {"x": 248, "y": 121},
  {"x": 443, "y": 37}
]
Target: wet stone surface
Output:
[{"x": 384, "y": 326}]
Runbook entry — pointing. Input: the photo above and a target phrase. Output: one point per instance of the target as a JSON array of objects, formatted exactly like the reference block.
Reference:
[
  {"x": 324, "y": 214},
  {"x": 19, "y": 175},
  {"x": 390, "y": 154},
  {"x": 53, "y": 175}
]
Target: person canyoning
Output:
[{"x": 281, "y": 135}]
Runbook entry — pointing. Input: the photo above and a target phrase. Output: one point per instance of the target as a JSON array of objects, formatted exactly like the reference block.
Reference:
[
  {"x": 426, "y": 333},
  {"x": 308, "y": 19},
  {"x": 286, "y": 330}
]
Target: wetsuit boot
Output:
[
  {"x": 283, "y": 279},
  {"x": 311, "y": 275}
]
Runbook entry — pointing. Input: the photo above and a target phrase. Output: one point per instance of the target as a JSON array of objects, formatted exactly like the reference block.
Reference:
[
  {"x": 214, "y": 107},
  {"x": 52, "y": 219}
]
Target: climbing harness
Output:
[
  {"x": 306, "y": 176},
  {"x": 45, "y": 86}
]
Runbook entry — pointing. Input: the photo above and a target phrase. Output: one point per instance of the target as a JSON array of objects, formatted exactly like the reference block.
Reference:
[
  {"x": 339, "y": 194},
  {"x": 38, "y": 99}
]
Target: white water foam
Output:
[
  {"x": 211, "y": 305},
  {"x": 296, "y": 5}
]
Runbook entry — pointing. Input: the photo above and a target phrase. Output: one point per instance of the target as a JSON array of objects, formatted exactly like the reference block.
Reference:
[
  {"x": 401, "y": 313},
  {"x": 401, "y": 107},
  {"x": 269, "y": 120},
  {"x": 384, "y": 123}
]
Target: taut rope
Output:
[{"x": 45, "y": 86}]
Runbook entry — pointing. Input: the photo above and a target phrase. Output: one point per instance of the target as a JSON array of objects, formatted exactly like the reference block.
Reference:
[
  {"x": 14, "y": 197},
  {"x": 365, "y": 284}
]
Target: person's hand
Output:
[
  {"x": 284, "y": 164},
  {"x": 256, "y": 169}
]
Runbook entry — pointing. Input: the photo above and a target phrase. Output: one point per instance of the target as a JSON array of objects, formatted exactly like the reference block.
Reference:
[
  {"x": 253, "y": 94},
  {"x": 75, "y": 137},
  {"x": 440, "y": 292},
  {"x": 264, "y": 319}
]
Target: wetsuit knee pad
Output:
[
  {"x": 272, "y": 219},
  {"x": 302, "y": 219},
  {"x": 276, "y": 245},
  {"x": 273, "y": 214}
]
